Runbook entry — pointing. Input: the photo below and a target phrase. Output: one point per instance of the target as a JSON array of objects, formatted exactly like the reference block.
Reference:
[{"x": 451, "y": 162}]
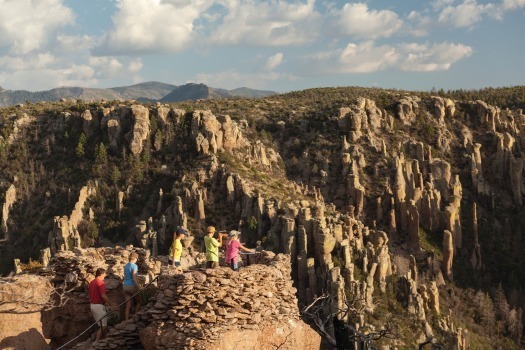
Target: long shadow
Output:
[{"x": 28, "y": 340}]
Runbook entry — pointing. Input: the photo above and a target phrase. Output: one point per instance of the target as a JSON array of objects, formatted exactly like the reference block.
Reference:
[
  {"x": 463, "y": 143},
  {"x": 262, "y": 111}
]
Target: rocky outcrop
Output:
[
  {"x": 65, "y": 233},
  {"x": 217, "y": 308},
  {"x": 10, "y": 199},
  {"x": 407, "y": 108},
  {"x": 140, "y": 128},
  {"x": 448, "y": 254},
  {"x": 22, "y": 299}
]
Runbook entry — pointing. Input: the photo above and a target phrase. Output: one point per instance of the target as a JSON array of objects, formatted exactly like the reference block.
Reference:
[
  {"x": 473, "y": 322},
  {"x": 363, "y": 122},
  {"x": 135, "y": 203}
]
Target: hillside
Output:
[
  {"x": 191, "y": 92},
  {"x": 401, "y": 209},
  {"x": 144, "y": 92}
]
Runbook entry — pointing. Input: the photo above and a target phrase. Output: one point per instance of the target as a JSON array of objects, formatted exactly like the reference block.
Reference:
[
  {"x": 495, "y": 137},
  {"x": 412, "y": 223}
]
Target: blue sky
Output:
[{"x": 276, "y": 45}]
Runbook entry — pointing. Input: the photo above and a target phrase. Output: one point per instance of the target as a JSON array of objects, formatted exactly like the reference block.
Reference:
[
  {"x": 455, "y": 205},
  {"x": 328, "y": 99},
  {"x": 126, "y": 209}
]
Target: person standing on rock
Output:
[
  {"x": 131, "y": 286},
  {"x": 232, "y": 250},
  {"x": 98, "y": 301},
  {"x": 176, "y": 247},
  {"x": 212, "y": 247}
]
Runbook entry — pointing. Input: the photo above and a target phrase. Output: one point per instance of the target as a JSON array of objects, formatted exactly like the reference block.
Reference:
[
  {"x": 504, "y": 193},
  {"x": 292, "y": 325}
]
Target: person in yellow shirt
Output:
[
  {"x": 176, "y": 247},
  {"x": 212, "y": 247}
]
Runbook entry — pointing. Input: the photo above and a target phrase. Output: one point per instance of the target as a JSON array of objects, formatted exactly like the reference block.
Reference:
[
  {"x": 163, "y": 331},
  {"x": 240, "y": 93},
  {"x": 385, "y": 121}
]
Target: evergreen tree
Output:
[
  {"x": 101, "y": 154},
  {"x": 81, "y": 145},
  {"x": 484, "y": 312},
  {"x": 115, "y": 174}
]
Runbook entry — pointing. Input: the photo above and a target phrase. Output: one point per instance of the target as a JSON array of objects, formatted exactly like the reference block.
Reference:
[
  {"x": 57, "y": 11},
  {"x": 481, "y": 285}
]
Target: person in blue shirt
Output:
[{"x": 131, "y": 284}]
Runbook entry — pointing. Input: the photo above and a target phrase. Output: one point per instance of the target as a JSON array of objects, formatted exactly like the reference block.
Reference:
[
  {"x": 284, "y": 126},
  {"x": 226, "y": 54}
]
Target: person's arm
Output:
[
  {"x": 135, "y": 276},
  {"x": 102, "y": 290},
  {"x": 248, "y": 250},
  {"x": 105, "y": 298}
]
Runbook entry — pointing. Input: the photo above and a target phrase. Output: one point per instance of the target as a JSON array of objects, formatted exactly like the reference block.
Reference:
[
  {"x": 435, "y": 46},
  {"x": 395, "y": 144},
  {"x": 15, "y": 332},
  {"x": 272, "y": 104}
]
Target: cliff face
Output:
[{"x": 390, "y": 206}]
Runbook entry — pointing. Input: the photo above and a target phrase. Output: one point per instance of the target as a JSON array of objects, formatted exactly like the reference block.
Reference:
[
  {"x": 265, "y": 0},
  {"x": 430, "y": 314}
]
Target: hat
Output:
[
  {"x": 233, "y": 233},
  {"x": 181, "y": 230},
  {"x": 210, "y": 229}
]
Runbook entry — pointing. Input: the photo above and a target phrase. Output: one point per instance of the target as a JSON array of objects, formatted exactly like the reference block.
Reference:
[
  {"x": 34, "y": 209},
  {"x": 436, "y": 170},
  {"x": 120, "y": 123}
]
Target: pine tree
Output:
[
  {"x": 501, "y": 308},
  {"x": 80, "y": 145},
  {"x": 101, "y": 154},
  {"x": 115, "y": 174},
  {"x": 514, "y": 325},
  {"x": 484, "y": 312}
]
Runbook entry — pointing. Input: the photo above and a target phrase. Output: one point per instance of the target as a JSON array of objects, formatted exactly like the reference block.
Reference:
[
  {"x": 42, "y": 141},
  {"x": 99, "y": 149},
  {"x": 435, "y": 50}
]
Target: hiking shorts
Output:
[
  {"x": 99, "y": 311},
  {"x": 129, "y": 291}
]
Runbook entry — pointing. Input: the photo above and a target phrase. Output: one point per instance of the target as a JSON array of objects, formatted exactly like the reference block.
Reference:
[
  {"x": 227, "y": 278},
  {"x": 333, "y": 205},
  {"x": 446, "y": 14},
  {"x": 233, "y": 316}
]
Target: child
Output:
[
  {"x": 212, "y": 247},
  {"x": 232, "y": 250},
  {"x": 176, "y": 247}
]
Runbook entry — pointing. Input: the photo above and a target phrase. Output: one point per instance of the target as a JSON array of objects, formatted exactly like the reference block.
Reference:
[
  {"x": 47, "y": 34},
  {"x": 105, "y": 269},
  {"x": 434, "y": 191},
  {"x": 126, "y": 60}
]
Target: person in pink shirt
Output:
[{"x": 232, "y": 250}]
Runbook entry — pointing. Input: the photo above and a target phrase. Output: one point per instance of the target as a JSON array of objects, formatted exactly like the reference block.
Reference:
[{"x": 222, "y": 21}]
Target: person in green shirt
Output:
[
  {"x": 212, "y": 247},
  {"x": 176, "y": 246}
]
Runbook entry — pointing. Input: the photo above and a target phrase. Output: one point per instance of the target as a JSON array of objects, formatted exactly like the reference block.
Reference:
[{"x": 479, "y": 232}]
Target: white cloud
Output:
[
  {"x": 366, "y": 57},
  {"x": 419, "y": 24},
  {"x": 274, "y": 61},
  {"x": 74, "y": 43},
  {"x": 465, "y": 14},
  {"x": 36, "y": 61},
  {"x": 267, "y": 23},
  {"x": 359, "y": 21},
  {"x": 135, "y": 65},
  {"x": 27, "y": 25},
  {"x": 152, "y": 26},
  {"x": 438, "y": 57},
  {"x": 73, "y": 75},
  {"x": 512, "y": 4}
]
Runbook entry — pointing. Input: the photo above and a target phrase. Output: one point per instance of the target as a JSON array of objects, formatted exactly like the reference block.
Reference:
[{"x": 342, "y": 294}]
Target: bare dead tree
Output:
[{"x": 322, "y": 313}]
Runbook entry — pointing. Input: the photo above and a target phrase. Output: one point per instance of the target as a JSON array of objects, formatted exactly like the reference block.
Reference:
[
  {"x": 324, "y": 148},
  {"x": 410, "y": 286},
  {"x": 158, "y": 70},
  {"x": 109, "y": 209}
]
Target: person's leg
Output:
[
  {"x": 104, "y": 332},
  {"x": 214, "y": 264},
  {"x": 138, "y": 301},
  {"x": 209, "y": 264},
  {"x": 177, "y": 263},
  {"x": 99, "y": 332},
  {"x": 128, "y": 308}
]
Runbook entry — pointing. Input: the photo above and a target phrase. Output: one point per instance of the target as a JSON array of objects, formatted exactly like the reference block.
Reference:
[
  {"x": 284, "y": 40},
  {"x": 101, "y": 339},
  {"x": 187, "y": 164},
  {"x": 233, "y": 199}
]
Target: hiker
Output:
[
  {"x": 212, "y": 247},
  {"x": 131, "y": 286},
  {"x": 98, "y": 301},
  {"x": 232, "y": 250},
  {"x": 176, "y": 247}
]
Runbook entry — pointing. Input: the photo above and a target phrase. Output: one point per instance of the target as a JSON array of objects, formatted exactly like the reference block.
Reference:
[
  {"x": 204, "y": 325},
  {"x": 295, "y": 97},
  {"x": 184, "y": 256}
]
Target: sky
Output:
[{"x": 279, "y": 45}]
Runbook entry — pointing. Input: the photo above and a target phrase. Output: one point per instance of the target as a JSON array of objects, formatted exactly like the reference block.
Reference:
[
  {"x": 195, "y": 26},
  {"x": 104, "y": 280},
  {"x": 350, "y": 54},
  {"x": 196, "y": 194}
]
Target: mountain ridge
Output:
[{"x": 150, "y": 91}]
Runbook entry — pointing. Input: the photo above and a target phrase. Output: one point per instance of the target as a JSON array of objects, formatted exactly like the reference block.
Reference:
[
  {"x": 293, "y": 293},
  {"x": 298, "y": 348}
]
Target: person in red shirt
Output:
[{"x": 98, "y": 301}]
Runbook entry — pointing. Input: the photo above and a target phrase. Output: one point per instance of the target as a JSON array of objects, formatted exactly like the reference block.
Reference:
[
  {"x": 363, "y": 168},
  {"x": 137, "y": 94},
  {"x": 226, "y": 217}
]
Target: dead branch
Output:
[
  {"x": 23, "y": 304},
  {"x": 322, "y": 313}
]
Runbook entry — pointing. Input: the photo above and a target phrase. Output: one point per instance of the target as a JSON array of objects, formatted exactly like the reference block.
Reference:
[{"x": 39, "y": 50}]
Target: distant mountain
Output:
[
  {"x": 151, "y": 90},
  {"x": 143, "y": 92},
  {"x": 194, "y": 91}
]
